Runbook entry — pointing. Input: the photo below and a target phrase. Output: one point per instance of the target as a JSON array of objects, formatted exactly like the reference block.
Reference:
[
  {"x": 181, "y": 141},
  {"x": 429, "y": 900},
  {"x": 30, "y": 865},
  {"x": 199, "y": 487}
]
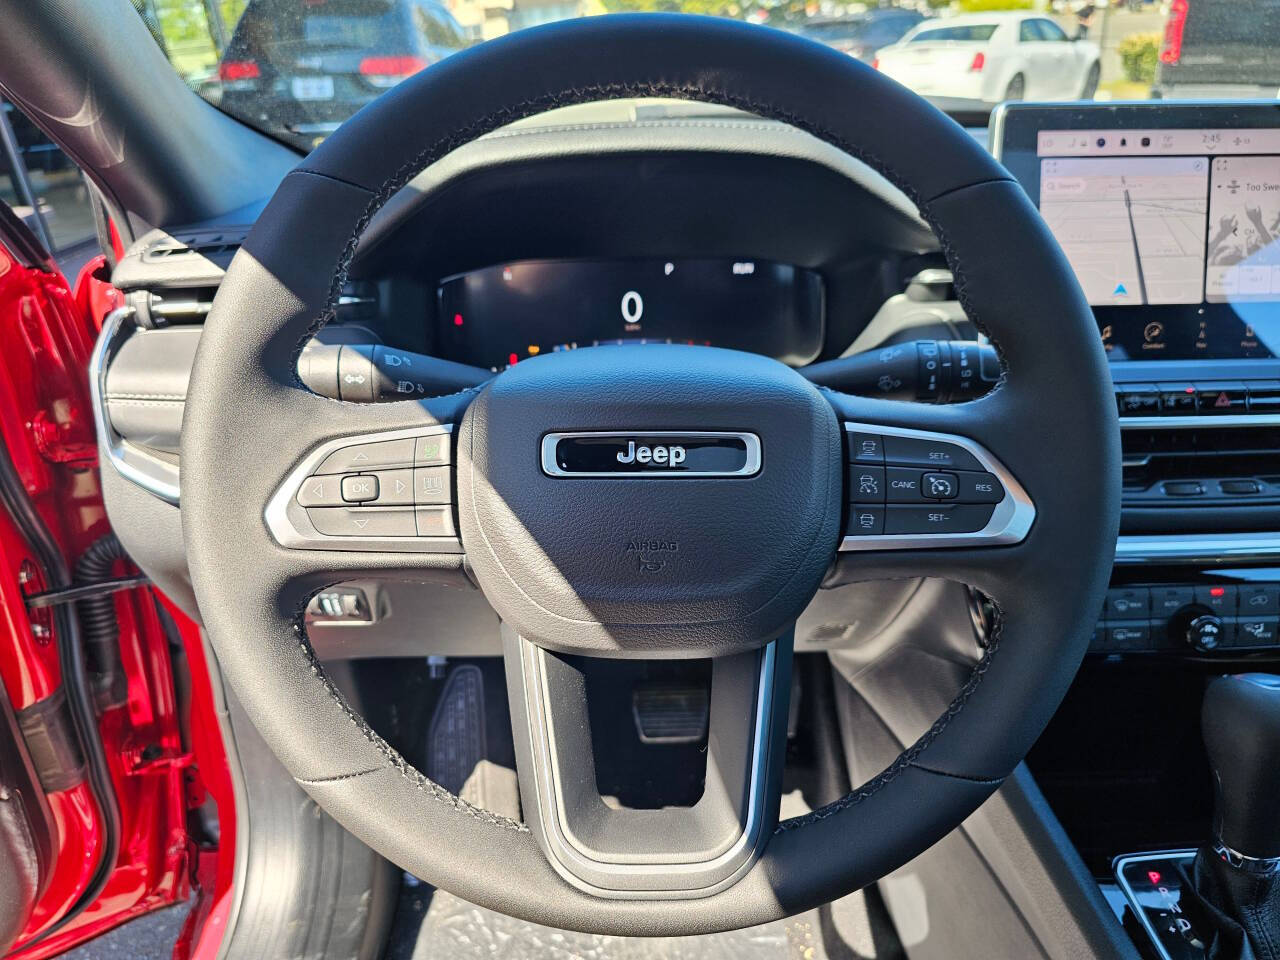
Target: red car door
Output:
[{"x": 114, "y": 791}]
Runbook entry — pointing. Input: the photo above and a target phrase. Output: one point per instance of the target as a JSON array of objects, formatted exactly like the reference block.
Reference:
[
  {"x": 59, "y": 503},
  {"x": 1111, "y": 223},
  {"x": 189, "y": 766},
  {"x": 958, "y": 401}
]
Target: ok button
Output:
[{"x": 359, "y": 489}]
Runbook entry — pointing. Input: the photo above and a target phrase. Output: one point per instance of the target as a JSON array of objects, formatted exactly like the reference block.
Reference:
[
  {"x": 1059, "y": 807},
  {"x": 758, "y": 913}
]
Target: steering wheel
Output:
[{"x": 649, "y": 503}]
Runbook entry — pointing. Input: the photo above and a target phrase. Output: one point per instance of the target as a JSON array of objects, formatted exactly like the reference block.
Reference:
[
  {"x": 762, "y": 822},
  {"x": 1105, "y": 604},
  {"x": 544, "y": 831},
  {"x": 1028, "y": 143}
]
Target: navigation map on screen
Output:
[{"x": 1133, "y": 228}]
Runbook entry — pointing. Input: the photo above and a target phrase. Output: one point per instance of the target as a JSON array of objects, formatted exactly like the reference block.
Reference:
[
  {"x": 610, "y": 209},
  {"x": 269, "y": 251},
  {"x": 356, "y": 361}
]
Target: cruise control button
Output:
[
  {"x": 369, "y": 456},
  {"x": 917, "y": 451},
  {"x": 435, "y": 522},
  {"x": 363, "y": 521},
  {"x": 432, "y": 451},
  {"x": 979, "y": 488},
  {"x": 321, "y": 492},
  {"x": 360, "y": 488},
  {"x": 866, "y": 484},
  {"x": 433, "y": 485},
  {"x": 395, "y": 488},
  {"x": 866, "y": 448},
  {"x": 1128, "y": 603},
  {"x": 902, "y": 485},
  {"x": 939, "y": 486},
  {"x": 943, "y": 518},
  {"x": 865, "y": 521}
]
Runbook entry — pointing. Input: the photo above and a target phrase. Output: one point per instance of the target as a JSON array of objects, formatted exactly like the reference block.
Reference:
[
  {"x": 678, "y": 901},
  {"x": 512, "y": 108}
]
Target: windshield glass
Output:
[{"x": 296, "y": 69}]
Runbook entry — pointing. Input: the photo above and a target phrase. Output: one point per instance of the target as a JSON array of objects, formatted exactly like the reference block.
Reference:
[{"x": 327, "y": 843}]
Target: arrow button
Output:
[
  {"x": 320, "y": 492},
  {"x": 364, "y": 521}
]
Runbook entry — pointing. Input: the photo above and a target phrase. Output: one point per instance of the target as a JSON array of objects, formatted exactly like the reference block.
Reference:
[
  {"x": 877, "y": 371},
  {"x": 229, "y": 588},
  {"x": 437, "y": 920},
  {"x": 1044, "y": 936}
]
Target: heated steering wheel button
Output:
[
  {"x": 433, "y": 485},
  {"x": 321, "y": 492},
  {"x": 917, "y": 451},
  {"x": 359, "y": 489},
  {"x": 939, "y": 486},
  {"x": 942, "y": 518},
  {"x": 363, "y": 521}
]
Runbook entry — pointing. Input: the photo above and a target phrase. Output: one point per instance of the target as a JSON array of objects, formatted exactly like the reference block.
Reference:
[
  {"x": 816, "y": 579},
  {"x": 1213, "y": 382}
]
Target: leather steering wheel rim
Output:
[{"x": 1052, "y": 421}]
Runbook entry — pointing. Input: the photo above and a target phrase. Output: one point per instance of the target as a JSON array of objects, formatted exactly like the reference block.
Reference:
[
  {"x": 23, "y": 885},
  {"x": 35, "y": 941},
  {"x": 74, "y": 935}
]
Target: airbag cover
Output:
[{"x": 675, "y": 566}]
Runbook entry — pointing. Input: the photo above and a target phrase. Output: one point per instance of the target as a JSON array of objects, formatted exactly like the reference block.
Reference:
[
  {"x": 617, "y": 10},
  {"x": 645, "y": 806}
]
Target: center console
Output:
[{"x": 1170, "y": 215}]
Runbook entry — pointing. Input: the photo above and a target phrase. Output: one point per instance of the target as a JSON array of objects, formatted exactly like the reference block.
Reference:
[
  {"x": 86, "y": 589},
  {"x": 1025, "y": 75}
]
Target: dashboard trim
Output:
[{"x": 1196, "y": 547}]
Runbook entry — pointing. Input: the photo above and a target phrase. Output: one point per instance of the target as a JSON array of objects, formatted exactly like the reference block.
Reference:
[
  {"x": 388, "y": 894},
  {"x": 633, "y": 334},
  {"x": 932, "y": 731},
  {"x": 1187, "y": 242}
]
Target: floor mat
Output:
[{"x": 848, "y": 929}]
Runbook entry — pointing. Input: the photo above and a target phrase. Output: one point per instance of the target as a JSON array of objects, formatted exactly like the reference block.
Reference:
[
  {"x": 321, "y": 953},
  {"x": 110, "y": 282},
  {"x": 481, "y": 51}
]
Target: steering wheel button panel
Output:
[
  {"x": 336, "y": 500},
  {"x": 975, "y": 503}
]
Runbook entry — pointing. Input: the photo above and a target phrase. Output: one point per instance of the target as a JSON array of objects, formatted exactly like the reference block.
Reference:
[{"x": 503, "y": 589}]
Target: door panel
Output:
[{"x": 117, "y": 777}]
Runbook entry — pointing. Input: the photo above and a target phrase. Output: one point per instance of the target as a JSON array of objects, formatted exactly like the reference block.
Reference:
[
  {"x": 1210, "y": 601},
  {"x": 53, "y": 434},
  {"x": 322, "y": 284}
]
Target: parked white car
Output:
[{"x": 987, "y": 58}]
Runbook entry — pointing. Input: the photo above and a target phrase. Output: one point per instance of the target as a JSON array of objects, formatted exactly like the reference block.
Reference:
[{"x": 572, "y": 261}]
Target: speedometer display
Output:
[{"x": 500, "y": 315}]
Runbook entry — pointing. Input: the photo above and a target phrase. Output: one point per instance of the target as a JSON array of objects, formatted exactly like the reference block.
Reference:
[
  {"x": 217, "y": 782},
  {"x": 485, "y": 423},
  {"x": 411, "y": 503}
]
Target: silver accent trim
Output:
[
  {"x": 749, "y": 469},
  {"x": 283, "y": 508},
  {"x": 1256, "y": 866},
  {"x": 1136, "y": 908},
  {"x": 1226, "y": 420},
  {"x": 1010, "y": 521},
  {"x": 1196, "y": 547},
  {"x": 568, "y": 859},
  {"x": 158, "y": 477}
]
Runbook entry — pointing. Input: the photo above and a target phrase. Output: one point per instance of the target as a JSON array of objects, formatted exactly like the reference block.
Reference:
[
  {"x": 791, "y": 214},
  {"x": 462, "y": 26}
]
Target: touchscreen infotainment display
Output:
[{"x": 1173, "y": 230}]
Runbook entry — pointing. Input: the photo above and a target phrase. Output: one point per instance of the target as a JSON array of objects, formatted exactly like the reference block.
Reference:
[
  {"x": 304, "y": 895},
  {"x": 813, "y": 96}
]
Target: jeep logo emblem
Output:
[
  {"x": 673, "y": 455},
  {"x": 667, "y": 454}
]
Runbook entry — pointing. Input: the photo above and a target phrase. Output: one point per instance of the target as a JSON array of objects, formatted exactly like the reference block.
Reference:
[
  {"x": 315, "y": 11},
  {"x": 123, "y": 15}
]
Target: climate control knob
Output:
[{"x": 1204, "y": 631}]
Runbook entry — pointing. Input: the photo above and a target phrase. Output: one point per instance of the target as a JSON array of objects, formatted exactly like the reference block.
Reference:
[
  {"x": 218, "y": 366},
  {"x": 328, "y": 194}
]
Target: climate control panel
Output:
[{"x": 1213, "y": 617}]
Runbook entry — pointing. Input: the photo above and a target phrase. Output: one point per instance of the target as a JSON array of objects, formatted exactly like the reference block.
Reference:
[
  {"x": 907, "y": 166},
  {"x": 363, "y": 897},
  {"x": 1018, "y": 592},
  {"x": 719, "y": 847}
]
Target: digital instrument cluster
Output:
[{"x": 497, "y": 316}]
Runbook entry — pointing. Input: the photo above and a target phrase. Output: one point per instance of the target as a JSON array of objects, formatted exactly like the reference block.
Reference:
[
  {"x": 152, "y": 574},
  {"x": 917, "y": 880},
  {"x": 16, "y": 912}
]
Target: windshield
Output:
[{"x": 296, "y": 69}]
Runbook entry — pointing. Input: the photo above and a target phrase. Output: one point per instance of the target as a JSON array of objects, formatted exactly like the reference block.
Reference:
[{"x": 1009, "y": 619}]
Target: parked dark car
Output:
[
  {"x": 861, "y": 35},
  {"x": 1220, "y": 48},
  {"x": 304, "y": 66}
]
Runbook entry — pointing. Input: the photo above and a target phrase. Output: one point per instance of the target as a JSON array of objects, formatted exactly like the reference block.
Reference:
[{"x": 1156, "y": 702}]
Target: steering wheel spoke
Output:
[{"x": 665, "y": 832}]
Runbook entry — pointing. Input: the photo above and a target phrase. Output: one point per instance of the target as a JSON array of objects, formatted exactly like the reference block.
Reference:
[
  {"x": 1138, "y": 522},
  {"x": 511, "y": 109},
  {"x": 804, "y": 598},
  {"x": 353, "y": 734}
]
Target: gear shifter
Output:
[{"x": 1236, "y": 879}]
